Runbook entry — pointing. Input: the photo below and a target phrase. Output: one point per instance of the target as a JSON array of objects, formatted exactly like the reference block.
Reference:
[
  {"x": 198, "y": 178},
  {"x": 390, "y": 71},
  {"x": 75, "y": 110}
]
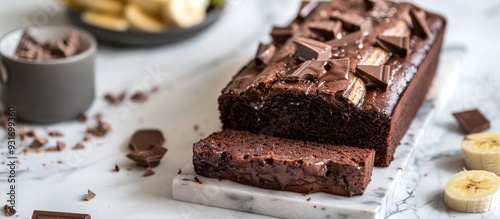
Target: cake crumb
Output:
[
  {"x": 197, "y": 180},
  {"x": 8, "y": 211},
  {"x": 89, "y": 196}
]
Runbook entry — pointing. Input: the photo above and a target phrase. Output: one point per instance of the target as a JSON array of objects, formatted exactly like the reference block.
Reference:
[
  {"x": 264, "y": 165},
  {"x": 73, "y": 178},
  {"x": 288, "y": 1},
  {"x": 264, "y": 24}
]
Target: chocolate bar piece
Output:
[
  {"x": 472, "y": 121},
  {"x": 283, "y": 164},
  {"x": 37, "y": 214},
  {"x": 391, "y": 62}
]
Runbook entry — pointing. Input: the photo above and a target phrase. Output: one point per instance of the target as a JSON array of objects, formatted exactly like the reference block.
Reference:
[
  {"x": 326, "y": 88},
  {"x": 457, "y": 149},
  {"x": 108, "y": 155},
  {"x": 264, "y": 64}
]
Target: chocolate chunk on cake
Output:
[
  {"x": 283, "y": 164},
  {"x": 352, "y": 73}
]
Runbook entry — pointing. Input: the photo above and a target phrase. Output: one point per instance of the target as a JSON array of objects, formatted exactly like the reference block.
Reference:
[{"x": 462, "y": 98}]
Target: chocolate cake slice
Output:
[
  {"x": 283, "y": 164},
  {"x": 353, "y": 73}
]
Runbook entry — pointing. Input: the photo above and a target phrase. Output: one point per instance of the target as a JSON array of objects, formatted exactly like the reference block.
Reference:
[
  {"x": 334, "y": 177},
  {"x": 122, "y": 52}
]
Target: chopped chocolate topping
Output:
[
  {"x": 306, "y": 8},
  {"x": 82, "y": 118},
  {"x": 149, "y": 172},
  {"x": 31, "y": 133},
  {"x": 354, "y": 22},
  {"x": 420, "y": 26},
  {"x": 319, "y": 70},
  {"x": 79, "y": 146},
  {"x": 150, "y": 157},
  {"x": 89, "y": 196},
  {"x": 472, "y": 121},
  {"x": 355, "y": 38},
  {"x": 139, "y": 96},
  {"x": 374, "y": 75},
  {"x": 327, "y": 30},
  {"x": 117, "y": 168},
  {"x": 38, "y": 142},
  {"x": 395, "y": 44},
  {"x": 59, "y": 147},
  {"x": 282, "y": 34},
  {"x": 58, "y": 215},
  {"x": 265, "y": 53},
  {"x": 56, "y": 134},
  {"x": 309, "y": 49},
  {"x": 70, "y": 46},
  {"x": 144, "y": 139},
  {"x": 8, "y": 211},
  {"x": 115, "y": 99}
]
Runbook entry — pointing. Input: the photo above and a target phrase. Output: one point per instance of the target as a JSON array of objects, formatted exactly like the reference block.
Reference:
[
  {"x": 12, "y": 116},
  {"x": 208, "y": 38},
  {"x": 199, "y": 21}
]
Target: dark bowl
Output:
[{"x": 137, "y": 38}]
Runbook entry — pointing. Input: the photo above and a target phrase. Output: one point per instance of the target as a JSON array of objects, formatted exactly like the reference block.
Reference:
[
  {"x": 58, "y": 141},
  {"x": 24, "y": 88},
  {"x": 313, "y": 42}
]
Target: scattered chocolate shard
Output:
[
  {"x": 309, "y": 49},
  {"x": 354, "y": 22},
  {"x": 179, "y": 172},
  {"x": 38, "y": 142},
  {"x": 354, "y": 38},
  {"x": 197, "y": 180},
  {"x": 306, "y": 8},
  {"x": 319, "y": 70},
  {"x": 327, "y": 30},
  {"x": 420, "y": 25},
  {"x": 374, "y": 75},
  {"x": 100, "y": 130},
  {"x": 82, "y": 117},
  {"x": 89, "y": 196},
  {"x": 472, "y": 121},
  {"x": 265, "y": 54},
  {"x": 155, "y": 89},
  {"x": 117, "y": 168},
  {"x": 395, "y": 44},
  {"x": 149, "y": 172},
  {"x": 8, "y": 210},
  {"x": 282, "y": 34},
  {"x": 98, "y": 116},
  {"x": 88, "y": 137},
  {"x": 144, "y": 139},
  {"x": 79, "y": 146},
  {"x": 31, "y": 133},
  {"x": 37, "y": 214},
  {"x": 150, "y": 157},
  {"x": 139, "y": 96},
  {"x": 56, "y": 134},
  {"x": 308, "y": 199},
  {"x": 59, "y": 147},
  {"x": 115, "y": 99}
]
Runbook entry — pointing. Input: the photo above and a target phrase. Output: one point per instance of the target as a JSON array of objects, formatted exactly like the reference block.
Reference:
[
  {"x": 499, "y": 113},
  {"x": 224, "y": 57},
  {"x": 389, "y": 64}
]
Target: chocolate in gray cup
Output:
[{"x": 47, "y": 91}]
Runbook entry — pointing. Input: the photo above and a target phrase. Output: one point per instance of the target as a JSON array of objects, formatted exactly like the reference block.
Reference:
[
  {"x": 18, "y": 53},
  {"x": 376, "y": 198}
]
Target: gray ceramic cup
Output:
[{"x": 47, "y": 91}]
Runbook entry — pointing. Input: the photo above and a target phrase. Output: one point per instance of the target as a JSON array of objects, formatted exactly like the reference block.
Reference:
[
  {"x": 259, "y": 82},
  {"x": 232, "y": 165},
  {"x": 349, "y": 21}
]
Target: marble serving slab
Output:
[{"x": 372, "y": 205}]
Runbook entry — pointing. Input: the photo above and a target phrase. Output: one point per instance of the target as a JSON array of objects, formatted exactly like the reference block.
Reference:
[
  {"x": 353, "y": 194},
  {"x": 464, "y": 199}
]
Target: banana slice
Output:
[
  {"x": 105, "y": 21},
  {"x": 141, "y": 20},
  {"x": 482, "y": 152},
  {"x": 473, "y": 191},
  {"x": 105, "y": 6},
  {"x": 152, "y": 7},
  {"x": 186, "y": 13}
]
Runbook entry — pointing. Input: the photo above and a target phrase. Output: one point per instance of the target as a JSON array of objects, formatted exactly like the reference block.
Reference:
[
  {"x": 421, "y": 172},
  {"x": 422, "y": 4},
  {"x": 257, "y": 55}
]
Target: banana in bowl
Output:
[{"x": 143, "y": 22}]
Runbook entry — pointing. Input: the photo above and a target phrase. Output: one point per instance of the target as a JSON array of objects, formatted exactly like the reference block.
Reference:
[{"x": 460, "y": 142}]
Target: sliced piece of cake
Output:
[{"x": 283, "y": 164}]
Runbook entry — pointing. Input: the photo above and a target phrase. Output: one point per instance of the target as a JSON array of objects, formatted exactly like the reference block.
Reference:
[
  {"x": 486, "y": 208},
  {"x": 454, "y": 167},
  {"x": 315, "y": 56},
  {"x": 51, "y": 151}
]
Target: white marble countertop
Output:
[{"x": 191, "y": 74}]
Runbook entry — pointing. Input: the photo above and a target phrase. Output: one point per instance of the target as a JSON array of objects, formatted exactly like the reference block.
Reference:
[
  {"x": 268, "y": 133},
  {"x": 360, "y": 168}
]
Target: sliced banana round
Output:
[
  {"x": 105, "y": 21},
  {"x": 141, "y": 20},
  {"x": 185, "y": 13},
  {"x": 114, "y": 7},
  {"x": 152, "y": 7},
  {"x": 473, "y": 191},
  {"x": 482, "y": 152}
]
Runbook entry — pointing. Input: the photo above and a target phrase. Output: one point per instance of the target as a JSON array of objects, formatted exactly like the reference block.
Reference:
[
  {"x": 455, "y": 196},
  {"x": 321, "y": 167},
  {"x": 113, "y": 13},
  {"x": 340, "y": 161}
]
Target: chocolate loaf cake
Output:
[
  {"x": 352, "y": 72},
  {"x": 283, "y": 164}
]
